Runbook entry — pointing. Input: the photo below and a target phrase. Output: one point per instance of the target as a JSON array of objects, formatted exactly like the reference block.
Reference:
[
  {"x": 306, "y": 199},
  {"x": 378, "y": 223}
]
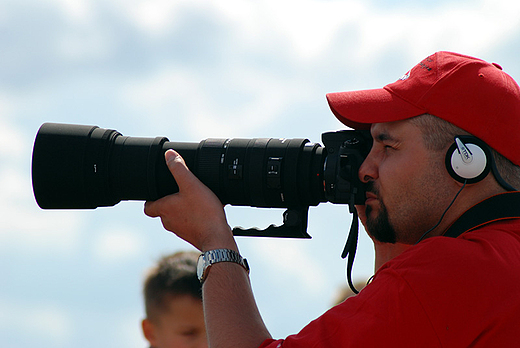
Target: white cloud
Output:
[
  {"x": 75, "y": 46},
  {"x": 44, "y": 321},
  {"x": 154, "y": 17},
  {"x": 304, "y": 28},
  {"x": 466, "y": 27},
  {"x": 75, "y": 10},
  {"x": 303, "y": 31},
  {"x": 289, "y": 260},
  {"x": 117, "y": 245},
  {"x": 240, "y": 96},
  {"x": 128, "y": 330},
  {"x": 253, "y": 100},
  {"x": 13, "y": 141},
  {"x": 28, "y": 230}
]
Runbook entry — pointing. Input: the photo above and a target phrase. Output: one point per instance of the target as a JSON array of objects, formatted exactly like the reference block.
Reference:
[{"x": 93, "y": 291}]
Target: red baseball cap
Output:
[{"x": 468, "y": 92}]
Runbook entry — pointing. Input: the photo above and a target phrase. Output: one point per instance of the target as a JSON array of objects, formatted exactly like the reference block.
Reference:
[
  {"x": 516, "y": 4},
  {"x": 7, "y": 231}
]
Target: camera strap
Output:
[
  {"x": 499, "y": 207},
  {"x": 350, "y": 248}
]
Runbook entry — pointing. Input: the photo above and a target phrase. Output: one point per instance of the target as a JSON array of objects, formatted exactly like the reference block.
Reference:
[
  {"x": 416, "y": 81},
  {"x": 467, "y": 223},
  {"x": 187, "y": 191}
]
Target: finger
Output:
[
  {"x": 154, "y": 208},
  {"x": 183, "y": 177},
  {"x": 181, "y": 173},
  {"x": 174, "y": 161},
  {"x": 150, "y": 209}
]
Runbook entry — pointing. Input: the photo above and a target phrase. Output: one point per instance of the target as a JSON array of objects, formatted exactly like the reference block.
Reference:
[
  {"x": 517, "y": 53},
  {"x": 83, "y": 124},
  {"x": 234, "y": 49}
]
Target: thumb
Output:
[
  {"x": 171, "y": 156},
  {"x": 178, "y": 168},
  {"x": 180, "y": 172}
]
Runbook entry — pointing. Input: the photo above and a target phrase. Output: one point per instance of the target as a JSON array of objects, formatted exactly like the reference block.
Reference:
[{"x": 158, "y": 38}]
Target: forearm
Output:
[
  {"x": 196, "y": 215},
  {"x": 232, "y": 317}
]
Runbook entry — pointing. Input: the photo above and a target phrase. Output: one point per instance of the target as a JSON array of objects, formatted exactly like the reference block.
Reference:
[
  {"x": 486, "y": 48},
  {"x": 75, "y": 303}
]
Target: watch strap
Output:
[{"x": 211, "y": 257}]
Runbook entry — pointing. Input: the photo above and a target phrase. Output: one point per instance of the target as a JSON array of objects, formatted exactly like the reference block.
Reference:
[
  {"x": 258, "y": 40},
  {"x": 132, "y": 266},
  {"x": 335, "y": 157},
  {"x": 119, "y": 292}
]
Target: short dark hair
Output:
[
  {"x": 439, "y": 134},
  {"x": 173, "y": 275}
]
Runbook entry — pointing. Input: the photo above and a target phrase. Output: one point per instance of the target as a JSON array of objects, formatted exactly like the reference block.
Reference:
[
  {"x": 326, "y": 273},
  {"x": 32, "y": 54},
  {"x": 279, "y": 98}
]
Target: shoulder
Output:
[
  {"x": 447, "y": 273},
  {"x": 487, "y": 242}
]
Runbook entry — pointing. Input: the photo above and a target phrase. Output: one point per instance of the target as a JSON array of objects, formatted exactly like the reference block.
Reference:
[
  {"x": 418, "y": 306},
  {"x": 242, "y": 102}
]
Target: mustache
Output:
[{"x": 371, "y": 187}]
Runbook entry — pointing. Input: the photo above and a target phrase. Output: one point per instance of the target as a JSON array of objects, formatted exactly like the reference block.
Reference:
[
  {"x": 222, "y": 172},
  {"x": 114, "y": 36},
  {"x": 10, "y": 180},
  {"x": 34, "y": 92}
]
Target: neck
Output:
[{"x": 468, "y": 196}]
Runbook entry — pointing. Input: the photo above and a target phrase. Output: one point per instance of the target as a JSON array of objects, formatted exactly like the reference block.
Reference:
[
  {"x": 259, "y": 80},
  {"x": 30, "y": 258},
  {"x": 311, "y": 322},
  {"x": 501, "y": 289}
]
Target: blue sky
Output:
[{"x": 191, "y": 70}]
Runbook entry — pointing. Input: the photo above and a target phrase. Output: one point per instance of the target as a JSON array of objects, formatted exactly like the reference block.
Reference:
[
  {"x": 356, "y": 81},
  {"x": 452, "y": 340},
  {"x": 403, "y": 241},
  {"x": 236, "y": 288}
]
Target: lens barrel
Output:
[{"x": 85, "y": 167}]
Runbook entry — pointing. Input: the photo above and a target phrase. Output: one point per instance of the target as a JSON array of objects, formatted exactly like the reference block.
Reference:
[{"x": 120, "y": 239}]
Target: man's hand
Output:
[{"x": 194, "y": 213}]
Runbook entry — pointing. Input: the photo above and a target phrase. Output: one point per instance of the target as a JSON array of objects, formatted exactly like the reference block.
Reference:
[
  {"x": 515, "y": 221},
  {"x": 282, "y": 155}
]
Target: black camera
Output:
[{"x": 85, "y": 167}]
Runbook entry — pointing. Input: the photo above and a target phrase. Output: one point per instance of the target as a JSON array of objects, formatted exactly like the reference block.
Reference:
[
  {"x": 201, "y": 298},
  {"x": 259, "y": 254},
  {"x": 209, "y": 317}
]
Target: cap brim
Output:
[{"x": 359, "y": 109}]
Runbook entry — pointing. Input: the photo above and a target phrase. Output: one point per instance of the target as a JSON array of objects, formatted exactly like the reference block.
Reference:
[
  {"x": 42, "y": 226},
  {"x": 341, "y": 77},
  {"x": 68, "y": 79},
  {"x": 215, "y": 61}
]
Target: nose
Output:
[{"x": 368, "y": 170}]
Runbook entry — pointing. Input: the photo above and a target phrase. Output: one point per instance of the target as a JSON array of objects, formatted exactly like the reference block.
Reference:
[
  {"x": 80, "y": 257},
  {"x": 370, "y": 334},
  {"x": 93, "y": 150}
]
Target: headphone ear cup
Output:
[{"x": 471, "y": 172}]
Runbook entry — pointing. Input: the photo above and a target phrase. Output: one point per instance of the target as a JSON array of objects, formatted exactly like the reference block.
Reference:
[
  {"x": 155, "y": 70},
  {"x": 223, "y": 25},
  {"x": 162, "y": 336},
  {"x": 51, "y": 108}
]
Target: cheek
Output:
[
  {"x": 417, "y": 193},
  {"x": 407, "y": 183},
  {"x": 170, "y": 339},
  {"x": 395, "y": 179},
  {"x": 181, "y": 340}
]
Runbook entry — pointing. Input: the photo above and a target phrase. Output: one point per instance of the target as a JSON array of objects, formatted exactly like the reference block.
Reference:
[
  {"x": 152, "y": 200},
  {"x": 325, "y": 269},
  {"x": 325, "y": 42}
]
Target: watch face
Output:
[{"x": 200, "y": 266}]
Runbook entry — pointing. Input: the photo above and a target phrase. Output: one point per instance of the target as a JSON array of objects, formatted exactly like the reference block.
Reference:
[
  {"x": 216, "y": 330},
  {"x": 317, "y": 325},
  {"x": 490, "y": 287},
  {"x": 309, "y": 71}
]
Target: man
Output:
[{"x": 432, "y": 187}]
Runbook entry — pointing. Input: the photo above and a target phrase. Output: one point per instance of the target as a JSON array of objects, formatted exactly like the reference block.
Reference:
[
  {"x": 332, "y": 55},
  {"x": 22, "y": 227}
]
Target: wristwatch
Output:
[{"x": 218, "y": 255}]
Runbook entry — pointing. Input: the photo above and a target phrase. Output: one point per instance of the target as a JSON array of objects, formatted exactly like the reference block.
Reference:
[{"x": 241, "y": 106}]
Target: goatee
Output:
[{"x": 379, "y": 226}]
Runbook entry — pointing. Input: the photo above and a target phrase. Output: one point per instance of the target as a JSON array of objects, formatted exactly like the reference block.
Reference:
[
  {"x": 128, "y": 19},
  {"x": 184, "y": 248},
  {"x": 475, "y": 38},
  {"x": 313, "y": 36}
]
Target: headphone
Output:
[{"x": 469, "y": 159}]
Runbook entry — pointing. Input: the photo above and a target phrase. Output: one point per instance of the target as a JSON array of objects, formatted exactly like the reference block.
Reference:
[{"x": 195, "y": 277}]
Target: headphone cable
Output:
[{"x": 442, "y": 216}]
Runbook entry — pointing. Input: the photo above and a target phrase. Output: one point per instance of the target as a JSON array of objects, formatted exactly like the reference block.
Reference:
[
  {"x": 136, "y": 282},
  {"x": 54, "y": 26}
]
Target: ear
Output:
[{"x": 149, "y": 331}]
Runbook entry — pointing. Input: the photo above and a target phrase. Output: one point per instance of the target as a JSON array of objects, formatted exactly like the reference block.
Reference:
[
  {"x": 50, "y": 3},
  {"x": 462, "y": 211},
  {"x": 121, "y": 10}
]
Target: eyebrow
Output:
[{"x": 384, "y": 137}]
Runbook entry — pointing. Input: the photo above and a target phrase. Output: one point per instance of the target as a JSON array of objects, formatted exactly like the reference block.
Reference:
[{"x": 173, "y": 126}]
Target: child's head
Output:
[{"x": 173, "y": 303}]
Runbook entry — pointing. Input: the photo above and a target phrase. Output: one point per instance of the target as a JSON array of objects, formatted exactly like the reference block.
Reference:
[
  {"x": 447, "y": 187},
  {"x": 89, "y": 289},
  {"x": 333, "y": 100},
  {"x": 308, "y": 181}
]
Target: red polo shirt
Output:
[{"x": 443, "y": 292}]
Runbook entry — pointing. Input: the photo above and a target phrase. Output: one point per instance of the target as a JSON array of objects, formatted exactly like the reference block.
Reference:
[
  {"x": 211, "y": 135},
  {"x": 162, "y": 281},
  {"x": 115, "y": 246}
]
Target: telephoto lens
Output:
[{"x": 85, "y": 167}]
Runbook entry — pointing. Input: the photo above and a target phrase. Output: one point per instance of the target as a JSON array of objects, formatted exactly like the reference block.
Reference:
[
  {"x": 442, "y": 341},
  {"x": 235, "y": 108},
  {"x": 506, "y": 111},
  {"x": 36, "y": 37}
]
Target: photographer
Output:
[{"x": 433, "y": 185}]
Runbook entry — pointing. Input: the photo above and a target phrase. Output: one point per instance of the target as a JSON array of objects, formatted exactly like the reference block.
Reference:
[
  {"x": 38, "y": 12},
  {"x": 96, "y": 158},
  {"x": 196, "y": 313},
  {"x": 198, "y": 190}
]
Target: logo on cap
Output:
[{"x": 405, "y": 76}]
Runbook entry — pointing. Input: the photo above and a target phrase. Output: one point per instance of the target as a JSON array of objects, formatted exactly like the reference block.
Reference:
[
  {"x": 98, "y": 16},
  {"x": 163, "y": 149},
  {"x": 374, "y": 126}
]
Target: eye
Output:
[{"x": 190, "y": 333}]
